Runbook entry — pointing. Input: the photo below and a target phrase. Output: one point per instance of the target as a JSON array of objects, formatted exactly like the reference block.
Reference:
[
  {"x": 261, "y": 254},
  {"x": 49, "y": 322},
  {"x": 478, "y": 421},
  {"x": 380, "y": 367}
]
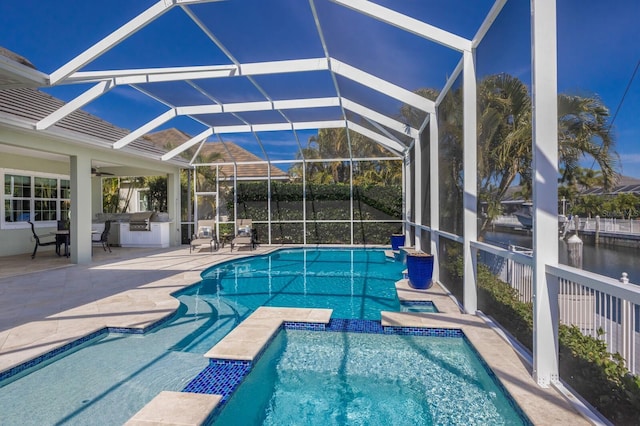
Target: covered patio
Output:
[{"x": 391, "y": 86}]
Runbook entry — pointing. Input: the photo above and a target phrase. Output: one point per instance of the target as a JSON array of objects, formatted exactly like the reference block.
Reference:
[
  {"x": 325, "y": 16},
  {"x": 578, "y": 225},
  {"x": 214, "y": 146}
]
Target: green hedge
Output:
[
  {"x": 387, "y": 199},
  {"x": 324, "y": 202}
]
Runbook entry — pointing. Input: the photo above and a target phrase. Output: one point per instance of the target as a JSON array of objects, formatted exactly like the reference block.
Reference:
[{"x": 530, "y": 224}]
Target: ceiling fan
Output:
[{"x": 95, "y": 171}]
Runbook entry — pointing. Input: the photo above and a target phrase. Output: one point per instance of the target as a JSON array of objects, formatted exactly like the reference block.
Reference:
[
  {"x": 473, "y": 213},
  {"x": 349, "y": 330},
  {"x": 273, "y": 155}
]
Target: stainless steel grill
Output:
[{"x": 140, "y": 221}]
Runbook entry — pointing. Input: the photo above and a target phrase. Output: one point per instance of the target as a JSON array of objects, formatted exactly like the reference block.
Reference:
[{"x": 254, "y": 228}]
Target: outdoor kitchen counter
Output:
[{"x": 157, "y": 235}]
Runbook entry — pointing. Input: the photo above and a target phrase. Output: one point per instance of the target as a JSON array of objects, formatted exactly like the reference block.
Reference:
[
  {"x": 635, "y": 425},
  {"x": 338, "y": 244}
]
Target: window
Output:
[
  {"x": 39, "y": 198},
  {"x": 143, "y": 200}
]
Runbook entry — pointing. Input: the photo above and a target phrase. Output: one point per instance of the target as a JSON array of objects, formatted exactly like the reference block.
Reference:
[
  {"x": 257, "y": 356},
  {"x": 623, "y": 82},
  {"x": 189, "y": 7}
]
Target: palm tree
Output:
[
  {"x": 505, "y": 139},
  {"x": 584, "y": 131}
]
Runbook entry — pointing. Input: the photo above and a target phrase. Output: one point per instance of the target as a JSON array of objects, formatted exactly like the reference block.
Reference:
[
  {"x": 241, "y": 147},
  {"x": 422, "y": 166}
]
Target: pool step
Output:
[
  {"x": 246, "y": 340},
  {"x": 176, "y": 408},
  {"x": 406, "y": 293}
]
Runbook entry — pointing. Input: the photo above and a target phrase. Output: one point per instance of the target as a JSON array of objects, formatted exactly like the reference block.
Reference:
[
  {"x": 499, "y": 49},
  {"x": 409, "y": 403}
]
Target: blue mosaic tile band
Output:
[
  {"x": 375, "y": 327},
  {"x": 21, "y": 368},
  {"x": 219, "y": 378},
  {"x": 418, "y": 303},
  {"x": 308, "y": 326},
  {"x": 421, "y": 331},
  {"x": 355, "y": 326}
]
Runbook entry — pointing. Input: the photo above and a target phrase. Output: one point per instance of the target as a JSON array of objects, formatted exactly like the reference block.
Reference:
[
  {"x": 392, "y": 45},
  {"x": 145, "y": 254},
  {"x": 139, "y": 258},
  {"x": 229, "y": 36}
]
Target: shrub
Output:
[{"x": 585, "y": 364}]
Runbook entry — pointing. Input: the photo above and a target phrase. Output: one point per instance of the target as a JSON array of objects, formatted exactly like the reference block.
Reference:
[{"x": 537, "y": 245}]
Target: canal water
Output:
[{"x": 607, "y": 260}]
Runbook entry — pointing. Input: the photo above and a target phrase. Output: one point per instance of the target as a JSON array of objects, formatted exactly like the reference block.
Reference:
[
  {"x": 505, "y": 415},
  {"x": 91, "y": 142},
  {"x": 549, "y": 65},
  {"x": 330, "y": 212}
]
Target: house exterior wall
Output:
[{"x": 19, "y": 240}]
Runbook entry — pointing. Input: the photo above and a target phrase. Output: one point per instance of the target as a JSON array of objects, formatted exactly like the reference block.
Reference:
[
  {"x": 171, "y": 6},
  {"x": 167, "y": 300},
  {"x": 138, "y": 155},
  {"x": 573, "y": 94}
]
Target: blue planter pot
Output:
[
  {"x": 397, "y": 241},
  {"x": 420, "y": 270}
]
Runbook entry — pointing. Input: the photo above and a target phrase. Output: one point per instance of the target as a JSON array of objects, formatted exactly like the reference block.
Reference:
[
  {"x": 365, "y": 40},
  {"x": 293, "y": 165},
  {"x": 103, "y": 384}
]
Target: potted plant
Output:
[
  {"x": 420, "y": 270},
  {"x": 397, "y": 241}
]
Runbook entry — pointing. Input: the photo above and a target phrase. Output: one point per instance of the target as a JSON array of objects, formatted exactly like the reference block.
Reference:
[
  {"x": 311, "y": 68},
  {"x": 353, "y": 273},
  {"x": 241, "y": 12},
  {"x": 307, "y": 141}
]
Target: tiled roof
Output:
[
  {"x": 33, "y": 105},
  {"x": 15, "y": 57},
  {"x": 228, "y": 152}
]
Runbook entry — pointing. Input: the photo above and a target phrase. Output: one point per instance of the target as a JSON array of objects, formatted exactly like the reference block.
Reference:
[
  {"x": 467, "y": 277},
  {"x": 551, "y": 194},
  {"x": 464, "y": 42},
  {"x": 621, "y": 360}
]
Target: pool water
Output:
[
  {"x": 354, "y": 283},
  {"x": 427, "y": 306},
  {"x": 110, "y": 380},
  {"x": 328, "y": 378}
]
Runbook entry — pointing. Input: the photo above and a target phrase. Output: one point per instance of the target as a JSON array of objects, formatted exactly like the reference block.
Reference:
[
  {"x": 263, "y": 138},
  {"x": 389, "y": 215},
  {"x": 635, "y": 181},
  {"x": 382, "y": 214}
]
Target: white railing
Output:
[
  {"x": 596, "y": 304},
  {"x": 609, "y": 225},
  {"x": 599, "y": 306}
]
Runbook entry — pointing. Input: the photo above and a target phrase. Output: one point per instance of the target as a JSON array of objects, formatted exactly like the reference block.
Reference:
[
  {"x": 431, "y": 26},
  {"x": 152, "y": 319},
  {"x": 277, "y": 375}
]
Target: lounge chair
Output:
[
  {"x": 39, "y": 243},
  {"x": 244, "y": 234},
  {"x": 206, "y": 234}
]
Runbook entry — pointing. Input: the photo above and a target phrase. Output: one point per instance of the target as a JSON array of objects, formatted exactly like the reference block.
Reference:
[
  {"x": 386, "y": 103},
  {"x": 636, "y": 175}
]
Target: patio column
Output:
[
  {"x": 174, "y": 207},
  {"x": 434, "y": 182},
  {"x": 545, "y": 190},
  {"x": 417, "y": 182},
  {"x": 470, "y": 197},
  {"x": 80, "y": 209}
]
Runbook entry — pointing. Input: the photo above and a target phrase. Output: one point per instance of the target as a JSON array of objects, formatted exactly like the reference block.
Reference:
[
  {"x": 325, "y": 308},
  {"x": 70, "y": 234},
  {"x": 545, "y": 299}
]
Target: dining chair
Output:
[
  {"x": 39, "y": 243},
  {"x": 104, "y": 237}
]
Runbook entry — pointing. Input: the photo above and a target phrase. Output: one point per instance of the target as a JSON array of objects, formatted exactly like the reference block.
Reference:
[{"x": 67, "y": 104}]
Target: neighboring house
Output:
[
  {"x": 626, "y": 185},
  {"x": 53, "y": 174},
  {"x": 228, "y": 152}
]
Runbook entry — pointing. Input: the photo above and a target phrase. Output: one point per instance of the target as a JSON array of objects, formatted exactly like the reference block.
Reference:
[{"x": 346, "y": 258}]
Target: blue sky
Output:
[{"x": 598, "y": 49}]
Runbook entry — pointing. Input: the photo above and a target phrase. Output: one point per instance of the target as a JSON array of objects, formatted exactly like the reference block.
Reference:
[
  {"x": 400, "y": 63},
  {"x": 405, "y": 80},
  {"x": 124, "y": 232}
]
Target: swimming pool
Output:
[
  {"x": 321, "y": 378},
  {"x": 118, "y": 374}
]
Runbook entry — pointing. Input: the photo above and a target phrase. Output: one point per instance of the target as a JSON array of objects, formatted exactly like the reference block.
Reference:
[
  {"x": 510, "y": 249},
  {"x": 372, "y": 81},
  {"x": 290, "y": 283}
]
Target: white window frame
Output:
[{"x": 32, "y": 199}]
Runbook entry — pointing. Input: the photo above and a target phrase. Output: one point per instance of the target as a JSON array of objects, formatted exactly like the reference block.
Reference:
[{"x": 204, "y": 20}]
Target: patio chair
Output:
[
  {"x": 206, "y": 234},
  {"x": 103, "y": 239},
  {"x": 39, "y": 243},
  {"x": 244, "y": 234}
]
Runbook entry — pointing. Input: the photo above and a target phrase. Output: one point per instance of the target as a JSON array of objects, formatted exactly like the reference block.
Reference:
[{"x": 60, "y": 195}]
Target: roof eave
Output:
[{"x": 14, "y": 74}]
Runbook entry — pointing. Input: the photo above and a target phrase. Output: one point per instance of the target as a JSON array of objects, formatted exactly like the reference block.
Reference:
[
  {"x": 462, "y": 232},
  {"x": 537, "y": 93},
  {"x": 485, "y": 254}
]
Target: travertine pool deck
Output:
[{"x": 44, "y": 310}]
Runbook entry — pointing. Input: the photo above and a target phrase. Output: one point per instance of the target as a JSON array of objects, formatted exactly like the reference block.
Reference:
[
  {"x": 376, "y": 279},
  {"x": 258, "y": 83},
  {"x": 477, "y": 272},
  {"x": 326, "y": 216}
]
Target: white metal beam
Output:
[
  {"x": 382, "y": 86},
  {"x": 488, "y": 21},
  {"x": 408, "y": 24},
  {"x": 307, "y": 103},
  {"x": 302, "y": 65},
  {"x": 199, "y": 109},
  {"x": 258, "y": 106},
  {"x": 310, "y": 125},
  {"x": 272, "y": 127},
  {"x": 188, "y": 144},
  {"x": 384, "y": 131},
  {"x": 418, "y": 193},
  {"x": 153, "y": 75},
  {"x": 545, "y": 190},
  {"x": 277, "y": 67},
  {"x": 434, "y": 188},
  {"x": 158, "y": 121},
  {"x": 470, "y": 183},
  {"x": 128, "y": 29},
  {"x": 383, "y": 140},
  {"x": 77, "y": 103},
  {"x": 379, "y": 118},
  {"x": 450, "y": 81},
  {"x": 407, "y": 196}
]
